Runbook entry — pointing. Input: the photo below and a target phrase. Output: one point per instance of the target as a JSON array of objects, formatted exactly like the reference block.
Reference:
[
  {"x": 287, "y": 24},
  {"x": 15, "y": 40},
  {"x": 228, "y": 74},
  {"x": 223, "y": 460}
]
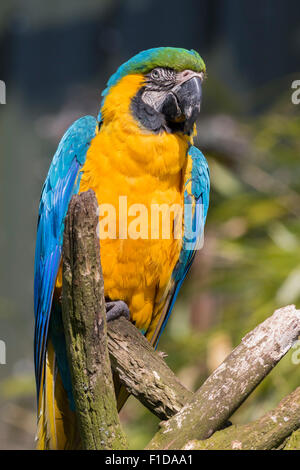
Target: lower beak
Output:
[
  {"x": 183, "y": 103},
  {"x": 189, "y": 100}
]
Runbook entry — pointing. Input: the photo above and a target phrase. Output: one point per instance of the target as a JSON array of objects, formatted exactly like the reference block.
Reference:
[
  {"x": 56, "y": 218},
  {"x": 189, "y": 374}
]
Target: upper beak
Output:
[{"x": 183, "y": 103}]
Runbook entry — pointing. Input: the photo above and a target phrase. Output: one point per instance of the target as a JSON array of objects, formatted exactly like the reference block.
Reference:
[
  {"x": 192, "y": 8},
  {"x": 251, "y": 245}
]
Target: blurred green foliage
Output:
[{"x": 249, "y": 265}]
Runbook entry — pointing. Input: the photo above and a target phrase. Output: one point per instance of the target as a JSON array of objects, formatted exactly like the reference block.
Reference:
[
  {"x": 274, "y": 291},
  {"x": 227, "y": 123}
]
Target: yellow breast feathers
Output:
[{"x": 132, "y": 172}]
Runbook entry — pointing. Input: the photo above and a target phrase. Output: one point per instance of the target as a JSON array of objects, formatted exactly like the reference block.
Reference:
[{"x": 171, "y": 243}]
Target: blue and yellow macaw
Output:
[{"x": 140, "y": 146}]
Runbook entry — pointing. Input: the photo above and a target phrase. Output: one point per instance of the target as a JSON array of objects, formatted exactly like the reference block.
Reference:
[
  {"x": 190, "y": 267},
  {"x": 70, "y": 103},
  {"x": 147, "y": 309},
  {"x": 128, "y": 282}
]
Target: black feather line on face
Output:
[
  {"x": 151, "y": 119},
  {"x": 147, "y": 116}
]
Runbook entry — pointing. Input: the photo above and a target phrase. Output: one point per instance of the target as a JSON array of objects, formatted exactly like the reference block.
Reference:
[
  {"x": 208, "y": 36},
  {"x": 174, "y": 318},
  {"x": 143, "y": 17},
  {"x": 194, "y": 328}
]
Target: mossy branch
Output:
[
  {"x": 84, "y": 318},
  {"x": 265, "y": 433},
  {"x": 232, "y": 382},
  {"x": 191, "y": 420},
  {"x": 143, "y": 371},
  {"x": 293, "y": 441}
]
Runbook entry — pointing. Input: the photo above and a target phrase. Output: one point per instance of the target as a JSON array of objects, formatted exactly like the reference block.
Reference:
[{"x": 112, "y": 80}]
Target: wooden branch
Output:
[
  {"x": 84, "y": 320},
  {"x": 265, "y": 433},
  {"x": 143, "y": 371},
  {"x": 232, "y": 382},
  {"x": 190, "y": 417},
  {"x": 293, "y": 441}
]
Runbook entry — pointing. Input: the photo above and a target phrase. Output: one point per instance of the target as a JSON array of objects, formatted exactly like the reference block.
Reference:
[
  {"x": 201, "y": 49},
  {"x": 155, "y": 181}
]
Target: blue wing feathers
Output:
[
  {"x": 194, "y": 221},
  {"x": 61, "y": 183}
]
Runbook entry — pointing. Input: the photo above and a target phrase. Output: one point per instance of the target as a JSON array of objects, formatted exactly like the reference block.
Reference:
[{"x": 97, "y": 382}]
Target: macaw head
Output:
[{"x": 160, "y": 89}]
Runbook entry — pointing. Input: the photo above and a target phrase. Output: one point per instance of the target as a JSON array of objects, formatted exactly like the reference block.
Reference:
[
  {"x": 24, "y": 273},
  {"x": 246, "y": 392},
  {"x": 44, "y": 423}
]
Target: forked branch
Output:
[{"x": 190, "y": 419}]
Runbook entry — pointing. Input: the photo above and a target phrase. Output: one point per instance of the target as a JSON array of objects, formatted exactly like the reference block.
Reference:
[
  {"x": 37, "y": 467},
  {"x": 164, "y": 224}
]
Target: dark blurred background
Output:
[{"x": 55, "y": 58}]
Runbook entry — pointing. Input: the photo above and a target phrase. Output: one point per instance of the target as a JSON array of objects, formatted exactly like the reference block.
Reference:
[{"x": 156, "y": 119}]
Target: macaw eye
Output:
[{"x": 155, "y": 74}]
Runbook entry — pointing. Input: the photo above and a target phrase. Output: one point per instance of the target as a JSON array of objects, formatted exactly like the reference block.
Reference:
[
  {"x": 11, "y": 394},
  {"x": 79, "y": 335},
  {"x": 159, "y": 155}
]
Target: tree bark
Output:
[
  {"x": 84, "y": 318},
  {"x": 231, "y": 383},
  {"x": 293, "y": 441},
  {"x": 143, "y": 371},
  {"x": 265, "y": 433},
  {"x": 190, "y": 419}
]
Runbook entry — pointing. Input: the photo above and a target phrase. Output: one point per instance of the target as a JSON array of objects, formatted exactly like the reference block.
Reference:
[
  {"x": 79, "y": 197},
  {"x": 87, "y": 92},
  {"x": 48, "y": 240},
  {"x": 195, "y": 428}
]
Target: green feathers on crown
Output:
[
  {"x": 175, "y": 58},
  {"x": 172, "y": 57}
]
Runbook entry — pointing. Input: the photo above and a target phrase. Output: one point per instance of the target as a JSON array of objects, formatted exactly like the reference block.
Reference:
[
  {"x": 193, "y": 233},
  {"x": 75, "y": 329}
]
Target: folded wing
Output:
[
  {"x": 61, "y": 183},
  {"x": 196, "y": 201}
]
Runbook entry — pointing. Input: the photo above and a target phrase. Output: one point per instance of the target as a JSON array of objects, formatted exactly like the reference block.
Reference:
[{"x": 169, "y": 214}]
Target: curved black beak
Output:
[{"x": 182, "y": 104}]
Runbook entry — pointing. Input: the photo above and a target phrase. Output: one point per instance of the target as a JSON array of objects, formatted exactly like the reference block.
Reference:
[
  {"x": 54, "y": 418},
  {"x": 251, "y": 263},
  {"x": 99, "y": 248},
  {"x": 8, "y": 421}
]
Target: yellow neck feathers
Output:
[{"x": 136, "y": 150}]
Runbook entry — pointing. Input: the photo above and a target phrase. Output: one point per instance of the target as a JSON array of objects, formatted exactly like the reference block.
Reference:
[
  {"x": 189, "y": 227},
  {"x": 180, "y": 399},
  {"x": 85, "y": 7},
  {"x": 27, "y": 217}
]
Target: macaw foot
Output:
[{"x": 116, "y": 309}]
